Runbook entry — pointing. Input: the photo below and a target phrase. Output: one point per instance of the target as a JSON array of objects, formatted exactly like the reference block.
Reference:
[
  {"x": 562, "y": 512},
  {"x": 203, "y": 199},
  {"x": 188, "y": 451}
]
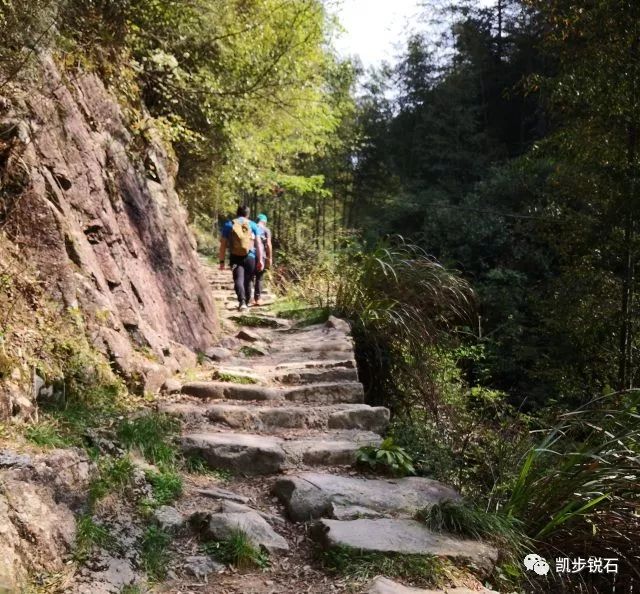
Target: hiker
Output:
[
  {"x": 264, "y": 235},
  {"x": 246, "y": 253}
]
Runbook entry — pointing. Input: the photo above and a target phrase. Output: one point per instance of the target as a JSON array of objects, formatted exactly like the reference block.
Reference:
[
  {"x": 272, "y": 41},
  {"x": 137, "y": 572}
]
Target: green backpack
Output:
[{"x": 241, "y": 237}]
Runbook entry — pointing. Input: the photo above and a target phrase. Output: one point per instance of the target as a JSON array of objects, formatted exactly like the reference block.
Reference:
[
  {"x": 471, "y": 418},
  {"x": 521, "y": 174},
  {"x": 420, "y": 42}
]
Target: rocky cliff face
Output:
[{"x": 96, "y": 212}]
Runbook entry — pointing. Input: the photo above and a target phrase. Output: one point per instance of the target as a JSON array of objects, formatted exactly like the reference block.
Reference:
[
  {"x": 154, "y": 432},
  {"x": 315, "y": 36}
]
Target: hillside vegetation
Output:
[{"x": 471, "y": 209}]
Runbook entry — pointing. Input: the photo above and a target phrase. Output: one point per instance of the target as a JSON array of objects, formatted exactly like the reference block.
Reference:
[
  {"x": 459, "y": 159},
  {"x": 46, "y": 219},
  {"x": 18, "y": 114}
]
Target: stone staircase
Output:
[{"x": 285, "y": 400}]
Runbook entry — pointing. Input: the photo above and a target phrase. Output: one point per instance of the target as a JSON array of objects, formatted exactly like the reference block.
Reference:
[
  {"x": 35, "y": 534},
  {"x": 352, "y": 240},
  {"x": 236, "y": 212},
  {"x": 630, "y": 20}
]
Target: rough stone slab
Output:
[
  {"x": 389, "y": 535},
  {"x": 10, "y": 459},
  {"x": 311, "y": 495},
  {"x": 338, "y": 324},
  {"x": 382, "y": 585},
  {"x": 258, "y": 418},
  {"x": 172, "y": 386},
  {"x": 329, "y": 451},
  {"x": 239, "y": 452},
  {"x": 370, "y": 418},
  {"x": 317, "y": 364},
  {"x": 169, "y": 518},
  {"x": 274, "y": 418},
  {"x": 249, "y": 335},
  {"x": 218, "y": 493},
  {"x": 220, "y": 390},
  {"x": 331, "y": 393},
  {"x": 218, "y": 353},
  {"x": 307, "y": 376},
  {"x": 201, "y": 566},
  {"x": 222, "y": 526}
]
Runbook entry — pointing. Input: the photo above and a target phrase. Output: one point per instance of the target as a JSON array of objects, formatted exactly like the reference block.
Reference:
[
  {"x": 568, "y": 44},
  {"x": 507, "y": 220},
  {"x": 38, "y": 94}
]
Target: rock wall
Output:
[{"x": 95, "y": 210}]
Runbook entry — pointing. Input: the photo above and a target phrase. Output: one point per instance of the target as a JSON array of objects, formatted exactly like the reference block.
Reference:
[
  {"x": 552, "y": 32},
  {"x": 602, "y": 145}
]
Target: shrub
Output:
[{"x": 388, "y": 456}]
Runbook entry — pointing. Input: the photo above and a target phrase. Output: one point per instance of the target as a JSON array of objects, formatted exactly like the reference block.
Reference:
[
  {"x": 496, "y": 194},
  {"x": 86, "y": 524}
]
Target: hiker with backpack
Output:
[
  {"x": 267, "y": 251},
  {"x": 241, "y": 236}
]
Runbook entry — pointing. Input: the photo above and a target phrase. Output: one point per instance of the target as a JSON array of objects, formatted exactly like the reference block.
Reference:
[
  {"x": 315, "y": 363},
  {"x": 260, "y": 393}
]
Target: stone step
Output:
[
  {"x": 324, "y": 393},
  {"x": 310, "y": 364},
  {"x": 314, "y": 376},
  {"x": 404, "y": 536},
  {"x": 248, "y": 453},
  {"x": 311, "y": 495},
  {"x": 253, "y": 417},
  {"x": 382, "y": 585}
]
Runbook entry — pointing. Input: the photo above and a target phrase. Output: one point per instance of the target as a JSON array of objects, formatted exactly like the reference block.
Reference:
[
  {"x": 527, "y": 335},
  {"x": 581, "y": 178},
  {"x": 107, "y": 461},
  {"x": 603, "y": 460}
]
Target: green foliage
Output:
[
  {"x": 388, "y": 457},
  {"x": 167, "y": 486},
  {"x": 132, "y": 589},
  {"x": 238, "y": 551},
  {"x": 468, "y": 521},
  {"x": 154, "y": 552},
  {"x": 89, "y": 534},
  {"x": 256, "y": 321},
  {"x": 423, "y": 570},
  {"x": 582, "y": 478},
  {"x": 151, "y": 433},
  {"x": 115, "y": 475},
  {"x": 198, "y": 465},
  {"x": 293, "y": 308},
  {"x": 248, "y": 351},
  {"x": 223, "y": 376},
  {"x": 47, "y": 434}
]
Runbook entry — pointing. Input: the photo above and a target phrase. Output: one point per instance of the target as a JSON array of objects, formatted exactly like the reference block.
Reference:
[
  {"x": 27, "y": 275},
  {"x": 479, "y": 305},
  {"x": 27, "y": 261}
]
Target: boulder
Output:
[
  {"x": 172, "y": 386},
  {"x": 169, "y": 518},
  {"x": 9, "y": 459},
  {"x": 312, "y": 495},
  {"x": 222, "y": 526},
  {"x": 218, "y": 354},
  {"x": 201, "y": 566}
]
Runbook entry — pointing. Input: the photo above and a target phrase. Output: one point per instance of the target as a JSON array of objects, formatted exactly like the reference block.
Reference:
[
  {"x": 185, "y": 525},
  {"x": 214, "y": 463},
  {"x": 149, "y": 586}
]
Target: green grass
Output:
[
  {"x": 232, "y": 378},
  {"x": 249, "y": 351},
  {"x": 237, "y": 550},
  {"x": 464, "y": 520},
  {"x": 48, "y": 434},
  {"x": 195, "y": 464},
  {"x": 132, "y": 589},
  {"x": 90, "y": 535},
  {"x": 152, "y": 434},
  {"x": 115, "y": 475},
  {"x": 154, "y": 552},
  {"x": 301, "y": 313},
  {"x": 167, "y": 486},
  {"x": 354, "y": 564},
  {"x": 256, "y": 322}
]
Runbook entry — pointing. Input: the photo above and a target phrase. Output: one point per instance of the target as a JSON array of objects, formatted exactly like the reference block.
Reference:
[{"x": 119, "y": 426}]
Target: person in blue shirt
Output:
[
  {"x": 267, "y": 250},
  {"x": 241, "y": 237}
]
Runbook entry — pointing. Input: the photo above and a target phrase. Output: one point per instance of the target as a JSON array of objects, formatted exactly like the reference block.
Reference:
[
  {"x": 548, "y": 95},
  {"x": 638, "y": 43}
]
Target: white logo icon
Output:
[{"x": 536, "y": 563}]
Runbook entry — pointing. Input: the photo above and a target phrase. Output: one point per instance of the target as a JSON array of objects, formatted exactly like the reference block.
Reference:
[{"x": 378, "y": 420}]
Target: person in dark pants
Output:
[
  {"x": 265, "y": 239},
  {"x": 241, "y": 236}
]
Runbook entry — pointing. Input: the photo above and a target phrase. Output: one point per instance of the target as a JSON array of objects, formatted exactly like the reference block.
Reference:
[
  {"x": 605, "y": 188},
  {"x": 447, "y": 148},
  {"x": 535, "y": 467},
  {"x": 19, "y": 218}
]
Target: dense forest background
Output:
[{"x": 472, "y": 209}]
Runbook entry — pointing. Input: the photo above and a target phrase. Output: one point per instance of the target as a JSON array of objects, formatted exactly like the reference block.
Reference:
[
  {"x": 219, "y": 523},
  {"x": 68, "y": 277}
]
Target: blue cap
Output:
[{"x": 262, "y": 217}]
